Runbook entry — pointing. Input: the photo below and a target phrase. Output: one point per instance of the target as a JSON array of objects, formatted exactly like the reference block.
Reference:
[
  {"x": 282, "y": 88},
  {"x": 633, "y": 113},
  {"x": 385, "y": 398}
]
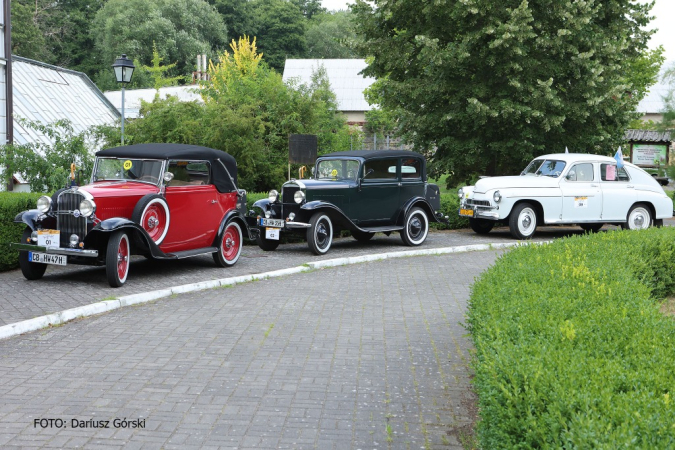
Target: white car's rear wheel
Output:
[{"x": 639, "y": 218}]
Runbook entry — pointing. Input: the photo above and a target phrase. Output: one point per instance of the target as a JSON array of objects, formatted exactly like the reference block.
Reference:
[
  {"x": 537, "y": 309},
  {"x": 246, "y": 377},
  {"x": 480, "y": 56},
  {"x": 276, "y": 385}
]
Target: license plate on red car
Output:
[
  {"x": 466, "y": 212},
  {"x": 44, "y": 258}
]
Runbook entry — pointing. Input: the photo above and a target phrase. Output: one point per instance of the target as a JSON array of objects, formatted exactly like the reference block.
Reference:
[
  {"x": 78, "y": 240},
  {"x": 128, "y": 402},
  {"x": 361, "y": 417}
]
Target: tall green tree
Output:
[
  {"x": 238, "y": 17},
  {"x": 331, "y": 35},
  {"x": 280, "y": 29},
  {"x": 182, "y": 29},
  {"x": 27, "y": 38},
  {"x": 487, "y": 86}
]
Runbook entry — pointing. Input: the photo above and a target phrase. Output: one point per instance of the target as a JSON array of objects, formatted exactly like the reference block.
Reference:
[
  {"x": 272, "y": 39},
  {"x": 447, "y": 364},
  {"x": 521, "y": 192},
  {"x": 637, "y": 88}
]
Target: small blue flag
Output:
[{"x": 619, "y": 158}]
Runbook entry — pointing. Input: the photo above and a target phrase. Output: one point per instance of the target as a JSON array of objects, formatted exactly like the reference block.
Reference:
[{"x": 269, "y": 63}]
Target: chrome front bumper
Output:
[{"x": 55, "y": 250}]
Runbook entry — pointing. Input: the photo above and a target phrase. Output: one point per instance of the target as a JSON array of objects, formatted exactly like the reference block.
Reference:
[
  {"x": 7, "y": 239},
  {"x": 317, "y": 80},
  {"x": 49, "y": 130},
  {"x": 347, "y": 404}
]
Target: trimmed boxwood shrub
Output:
[
  {"x": 12, "y": 204},
  {"x": 571, "y": 349}
]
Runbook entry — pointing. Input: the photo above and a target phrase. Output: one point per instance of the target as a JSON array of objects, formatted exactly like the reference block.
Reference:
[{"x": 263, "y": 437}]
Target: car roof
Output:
[
  {"x": 371, "y": 154},
  {"x": 219, "y": 177},
  {"x": 574, "y": 157}
]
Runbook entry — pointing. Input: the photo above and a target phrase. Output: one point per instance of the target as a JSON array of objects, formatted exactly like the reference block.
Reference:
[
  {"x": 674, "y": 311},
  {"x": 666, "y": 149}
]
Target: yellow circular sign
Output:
[
  {"x": 127, "y": 164},
  {"x": 333, "y": 173}
]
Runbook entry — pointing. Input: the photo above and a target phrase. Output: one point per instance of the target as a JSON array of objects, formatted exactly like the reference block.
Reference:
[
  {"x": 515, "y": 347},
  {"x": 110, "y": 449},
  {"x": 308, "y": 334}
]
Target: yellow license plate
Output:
[{"x": 466, "y": 212}]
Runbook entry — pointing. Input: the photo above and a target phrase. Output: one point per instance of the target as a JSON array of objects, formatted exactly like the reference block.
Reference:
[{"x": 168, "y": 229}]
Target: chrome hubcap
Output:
[
  {"x": 229, "y": 243},
  {"x": 152, "y": 222}
]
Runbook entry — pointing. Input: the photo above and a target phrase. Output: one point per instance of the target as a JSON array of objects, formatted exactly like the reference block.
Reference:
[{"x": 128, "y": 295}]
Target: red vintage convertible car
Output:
[{"x": 163, "y": 201}]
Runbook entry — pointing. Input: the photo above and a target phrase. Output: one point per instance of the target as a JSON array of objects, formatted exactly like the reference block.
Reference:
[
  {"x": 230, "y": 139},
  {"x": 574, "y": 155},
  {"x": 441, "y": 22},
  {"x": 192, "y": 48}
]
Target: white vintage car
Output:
[{"x": 566, "y": 188}]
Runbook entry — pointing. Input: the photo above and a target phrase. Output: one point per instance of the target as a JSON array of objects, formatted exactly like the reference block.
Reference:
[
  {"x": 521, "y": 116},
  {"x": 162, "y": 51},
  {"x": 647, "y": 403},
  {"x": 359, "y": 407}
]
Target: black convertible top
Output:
[
  {"x": 182, "y": 152},
  {"x": 371, "y": 154}
]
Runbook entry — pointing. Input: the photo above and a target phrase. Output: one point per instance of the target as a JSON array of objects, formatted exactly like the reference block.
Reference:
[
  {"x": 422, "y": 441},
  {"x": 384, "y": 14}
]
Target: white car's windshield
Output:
[
  {"x": 143, "y": 170},
  {"x": 337, "y": 169},
  {"x": 547, "y": 167}
]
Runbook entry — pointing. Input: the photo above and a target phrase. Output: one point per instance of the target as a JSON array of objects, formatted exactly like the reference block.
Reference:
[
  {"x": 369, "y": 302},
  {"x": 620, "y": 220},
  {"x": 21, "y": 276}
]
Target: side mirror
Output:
[
  {"x": 168, "y": 176},
  {"x": 572, "y": 176},
  {"x": 368, "y": 172}
]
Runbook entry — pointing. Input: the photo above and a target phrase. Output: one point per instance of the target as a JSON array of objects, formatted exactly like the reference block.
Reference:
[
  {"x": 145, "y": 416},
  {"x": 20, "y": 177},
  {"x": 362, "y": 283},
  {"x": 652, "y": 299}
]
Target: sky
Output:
[{"x": 663, "y": 10}]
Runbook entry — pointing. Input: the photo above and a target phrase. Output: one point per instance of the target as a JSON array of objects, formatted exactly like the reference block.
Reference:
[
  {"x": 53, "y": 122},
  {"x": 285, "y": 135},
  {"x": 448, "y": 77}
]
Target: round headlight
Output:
[
  {"x": 273, "y": 196},
  {"x": 460, "y": 193},
  {"x": 497, "y": 197},
  {"x": 299, "y": 197},
  {"x": 44, "y": 203},
  {"x": 87, "y": 207}
]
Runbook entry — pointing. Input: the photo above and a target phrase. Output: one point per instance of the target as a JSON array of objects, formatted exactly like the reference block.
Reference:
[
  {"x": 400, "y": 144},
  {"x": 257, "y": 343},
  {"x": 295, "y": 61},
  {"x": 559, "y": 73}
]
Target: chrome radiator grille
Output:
[
  {"x": 477, "y": 202},
  {"x": 66, "y": 222},
  {"x": 287, "y": 194}
]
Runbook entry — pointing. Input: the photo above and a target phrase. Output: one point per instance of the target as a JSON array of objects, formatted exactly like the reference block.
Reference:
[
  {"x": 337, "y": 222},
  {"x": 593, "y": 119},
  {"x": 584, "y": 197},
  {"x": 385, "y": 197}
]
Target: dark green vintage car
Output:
[{"x": 365, "y": 192}]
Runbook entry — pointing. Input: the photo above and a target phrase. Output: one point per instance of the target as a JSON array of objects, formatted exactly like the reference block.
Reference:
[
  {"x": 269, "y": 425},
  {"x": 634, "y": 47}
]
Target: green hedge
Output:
[
  {"x": 10, "y": 205},
  {"x": 571, "y": 349}
]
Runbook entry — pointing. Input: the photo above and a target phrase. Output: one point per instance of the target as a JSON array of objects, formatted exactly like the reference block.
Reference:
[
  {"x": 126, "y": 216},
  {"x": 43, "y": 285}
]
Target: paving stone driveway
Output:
[
  {"x": 365, "y": 356},
  {"x": 64, "y": 288}
]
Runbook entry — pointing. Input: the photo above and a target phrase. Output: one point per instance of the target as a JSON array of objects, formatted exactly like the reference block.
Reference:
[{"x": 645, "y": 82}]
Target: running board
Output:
[
  {"x": 382, "y": 229},
  {"x": 190, "y": 253}
]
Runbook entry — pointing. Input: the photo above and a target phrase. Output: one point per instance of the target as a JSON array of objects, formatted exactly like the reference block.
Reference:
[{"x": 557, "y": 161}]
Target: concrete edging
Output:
[{"x": 103, "y": 306}]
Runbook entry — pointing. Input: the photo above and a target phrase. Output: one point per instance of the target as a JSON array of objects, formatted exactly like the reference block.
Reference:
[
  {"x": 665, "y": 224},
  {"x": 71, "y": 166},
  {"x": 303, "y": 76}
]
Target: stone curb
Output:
[{"x": 103, "y": 306}]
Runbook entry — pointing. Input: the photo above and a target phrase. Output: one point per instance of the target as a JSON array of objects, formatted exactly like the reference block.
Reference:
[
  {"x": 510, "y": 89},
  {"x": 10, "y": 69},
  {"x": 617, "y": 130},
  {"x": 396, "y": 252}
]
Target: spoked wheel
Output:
[
  {"x": 523, "y": 221},
  {"x": 481, "y": 226},
  {"x": 416, "y": 228},
  {"x": 362, "y": 236},
  {"x": 230, "y": 246},
  {"x": 117, "y": 258},
  {"x": 320, "y": 234},
  {"x": 30, "y": 270},
  {"x": 639, "y": 218},
  {"x": 152, "y": 213},
  {"x": 591, "y": 227}
]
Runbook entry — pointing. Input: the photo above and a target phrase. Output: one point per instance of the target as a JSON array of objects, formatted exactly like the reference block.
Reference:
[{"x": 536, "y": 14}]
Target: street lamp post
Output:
[{"x": 124, "y": 69}]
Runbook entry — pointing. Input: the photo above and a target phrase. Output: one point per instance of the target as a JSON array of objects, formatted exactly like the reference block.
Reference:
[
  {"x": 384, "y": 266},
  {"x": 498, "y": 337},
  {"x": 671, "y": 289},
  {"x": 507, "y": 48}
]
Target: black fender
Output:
[
  {"x": 333, "y": 211},
  {"x": 419, "y": 202},
  {"x": 99, "y": 235},
  {"x": 233, "y": 215},
  {"x": 263, "y": 204},
  {"x": 33, "y": 217}
]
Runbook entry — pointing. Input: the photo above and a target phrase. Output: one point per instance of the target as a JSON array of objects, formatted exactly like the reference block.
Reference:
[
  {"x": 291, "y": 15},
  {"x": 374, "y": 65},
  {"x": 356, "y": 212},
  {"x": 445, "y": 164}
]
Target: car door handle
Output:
[
  {"x": 594, "y": 185},
  {"x": 400, "y": 184},
  {"x": 214, "y": 201},
  {"x": 630, "y": 186}
]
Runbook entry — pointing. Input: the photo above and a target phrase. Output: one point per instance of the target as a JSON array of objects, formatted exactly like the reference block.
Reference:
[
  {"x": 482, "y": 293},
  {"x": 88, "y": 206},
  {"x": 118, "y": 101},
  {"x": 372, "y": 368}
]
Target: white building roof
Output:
[
  {"x": 44, "y": 93},
  {"x": 132, "y": 98},
  {"x": 343, "y": 75}
]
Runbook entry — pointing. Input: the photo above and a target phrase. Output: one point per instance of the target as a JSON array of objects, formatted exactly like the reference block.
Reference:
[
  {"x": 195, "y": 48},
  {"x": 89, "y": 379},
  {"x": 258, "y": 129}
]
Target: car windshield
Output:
[
  {"x": 337, "y": 169},
  {"x": 547, "y": 167},
  {"x": 142, "y": 170}
]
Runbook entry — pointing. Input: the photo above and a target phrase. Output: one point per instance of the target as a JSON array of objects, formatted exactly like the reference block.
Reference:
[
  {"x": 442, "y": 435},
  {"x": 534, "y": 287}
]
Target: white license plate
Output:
[
  {"x": 48, "y": 238},
  {"x": 274, "y": 223},
  {"x": 44, "y": 258},
  {"x": 272, "y": 233}
]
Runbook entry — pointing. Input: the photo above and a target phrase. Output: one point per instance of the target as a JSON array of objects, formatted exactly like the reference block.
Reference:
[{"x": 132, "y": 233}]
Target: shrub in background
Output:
[
  {"x": 571, "y": 350},
  {"x": 12, "y": 204}
]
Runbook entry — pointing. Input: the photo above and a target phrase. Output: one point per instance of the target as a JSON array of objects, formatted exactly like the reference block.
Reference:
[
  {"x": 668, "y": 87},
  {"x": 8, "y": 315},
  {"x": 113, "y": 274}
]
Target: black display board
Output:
[{"x": 302, "y": 148}]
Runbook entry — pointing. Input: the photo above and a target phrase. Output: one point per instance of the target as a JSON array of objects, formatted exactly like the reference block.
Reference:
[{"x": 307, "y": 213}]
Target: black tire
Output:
[
  {"x": 591, "y": 227},
  {"x": 153, "y": 215},
  {"x": 523, "y": 221},
  {"x": 362, "y": 236},
  {"x": 639, "y": 218},
  {"x": 30, "y": 270},
  {"x": 230, "y": 246},
  {"x": 320, "y": 234},
  {"x": 415, "y": 228},
  {"x": 481, "y": 226},
  {"x": 267, "y": 245},
  {"x": 117, "y": 258}
]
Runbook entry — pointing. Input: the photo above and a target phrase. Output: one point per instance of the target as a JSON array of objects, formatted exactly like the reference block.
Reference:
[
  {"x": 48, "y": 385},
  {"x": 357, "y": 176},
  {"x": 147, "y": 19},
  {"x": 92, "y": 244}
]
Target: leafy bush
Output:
[
  {"x": 449, "y": 207},
  {"x": 571, "y": 350},
  {"x": 12, "y": 204}
]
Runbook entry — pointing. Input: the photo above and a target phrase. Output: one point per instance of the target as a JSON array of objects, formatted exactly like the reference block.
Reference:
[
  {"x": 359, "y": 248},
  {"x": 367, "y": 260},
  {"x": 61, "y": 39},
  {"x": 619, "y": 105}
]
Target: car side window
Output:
[
  {"x": 382, "y": 169},
  {"x": 189, "y": 173},
  {"x": 581, "y": 172},
  {"x": 411, "y": 169},
  {"x": 609, "y": 172}
]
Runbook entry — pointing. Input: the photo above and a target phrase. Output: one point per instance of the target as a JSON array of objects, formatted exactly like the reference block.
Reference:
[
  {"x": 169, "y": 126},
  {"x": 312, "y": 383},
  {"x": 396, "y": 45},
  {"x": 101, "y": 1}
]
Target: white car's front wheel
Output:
[
  {"x": 639, "y": 218},
  {"x": 523, "y": 221}
]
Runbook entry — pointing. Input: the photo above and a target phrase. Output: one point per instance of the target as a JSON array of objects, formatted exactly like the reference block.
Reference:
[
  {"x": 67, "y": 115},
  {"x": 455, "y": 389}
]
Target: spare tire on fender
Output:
[{"x": 152, "y": 214}]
